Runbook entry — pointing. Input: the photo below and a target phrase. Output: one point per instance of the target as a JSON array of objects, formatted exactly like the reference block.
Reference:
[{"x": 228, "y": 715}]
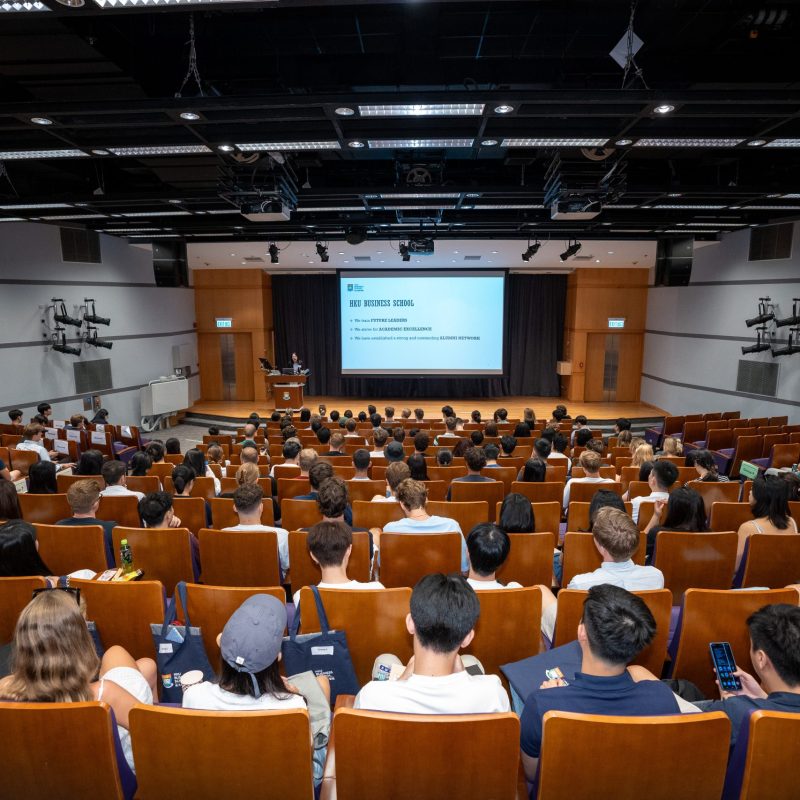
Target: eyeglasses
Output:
[{"x": 71, "y": 590}]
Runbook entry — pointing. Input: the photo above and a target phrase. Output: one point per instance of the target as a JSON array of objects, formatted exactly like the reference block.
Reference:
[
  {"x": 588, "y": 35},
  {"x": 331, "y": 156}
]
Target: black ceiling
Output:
[{"x": 276, "y": 73}]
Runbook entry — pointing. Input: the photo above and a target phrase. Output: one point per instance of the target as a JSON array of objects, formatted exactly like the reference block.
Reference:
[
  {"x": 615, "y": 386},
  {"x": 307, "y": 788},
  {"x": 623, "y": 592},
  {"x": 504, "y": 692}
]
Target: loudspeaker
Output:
[
  {"x": 169, "y": 264},
  {"x": 674, "y": 262}
]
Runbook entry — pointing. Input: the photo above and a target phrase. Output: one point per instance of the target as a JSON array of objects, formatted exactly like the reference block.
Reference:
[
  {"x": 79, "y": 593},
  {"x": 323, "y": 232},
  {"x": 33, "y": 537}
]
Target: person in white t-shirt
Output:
[
  {"x": 248, "y": 500},
  {"x": 662, "y": 476},
  {"x": 32, "y": 436},
  {"x": 396, "y": 473},
  {"x": 488, "y": 547},
  {"x": 591, "y": 462},
  {"x": 330, "y": 545},
  {"x": 444, "y": 610},
  {"x": 113, "y": 473}
]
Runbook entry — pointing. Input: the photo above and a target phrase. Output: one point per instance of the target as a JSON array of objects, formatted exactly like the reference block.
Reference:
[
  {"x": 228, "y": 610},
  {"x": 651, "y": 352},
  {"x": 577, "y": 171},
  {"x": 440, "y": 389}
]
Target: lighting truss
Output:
[
  {"x": 498, "y": 207},
  {"x": 161, "y": 150},
  {"x": 423, "y": 110},
  {"x": 553, "y": 142},
  {"x": 320, "y": 145},
  {"x": 377, "y": 144},
  {"x": 688, "y": 142}
]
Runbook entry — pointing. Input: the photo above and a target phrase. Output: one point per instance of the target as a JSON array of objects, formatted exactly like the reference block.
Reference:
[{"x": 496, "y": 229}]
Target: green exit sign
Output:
[{"x": 224, "y": 322}]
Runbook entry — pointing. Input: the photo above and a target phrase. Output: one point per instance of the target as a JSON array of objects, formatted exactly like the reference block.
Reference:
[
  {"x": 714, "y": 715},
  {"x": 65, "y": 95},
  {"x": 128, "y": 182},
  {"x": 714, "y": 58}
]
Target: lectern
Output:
[{"x": 286, "y": 391}]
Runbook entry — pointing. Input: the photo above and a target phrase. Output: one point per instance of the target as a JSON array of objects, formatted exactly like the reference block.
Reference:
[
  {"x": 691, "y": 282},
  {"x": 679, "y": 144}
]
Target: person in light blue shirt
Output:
[{"x": 413, "y": 497}]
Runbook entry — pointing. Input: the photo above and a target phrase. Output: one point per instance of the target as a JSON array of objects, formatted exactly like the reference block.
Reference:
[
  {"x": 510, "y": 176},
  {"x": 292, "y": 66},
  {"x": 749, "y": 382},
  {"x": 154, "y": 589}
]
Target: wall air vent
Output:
[{"x": 757, "y": 377}]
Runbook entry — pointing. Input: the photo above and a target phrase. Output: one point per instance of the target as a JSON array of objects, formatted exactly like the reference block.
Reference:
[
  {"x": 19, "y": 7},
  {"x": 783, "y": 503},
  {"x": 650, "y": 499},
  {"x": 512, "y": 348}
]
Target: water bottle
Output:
[{"x": 126, "y": 557}]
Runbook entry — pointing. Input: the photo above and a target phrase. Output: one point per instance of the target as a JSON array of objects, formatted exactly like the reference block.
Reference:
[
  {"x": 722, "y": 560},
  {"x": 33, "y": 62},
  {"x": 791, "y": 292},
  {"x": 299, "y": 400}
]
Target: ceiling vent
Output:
[
  {"x": 472, "y": 258},
  {"x": 362, "y": 258}
]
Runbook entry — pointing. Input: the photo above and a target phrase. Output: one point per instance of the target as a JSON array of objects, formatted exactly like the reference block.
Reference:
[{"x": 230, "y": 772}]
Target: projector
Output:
[
  {"x": 575, "y": 209},
  {"x": 421, "y": 246},
  {"x": 268, "y": 211}
]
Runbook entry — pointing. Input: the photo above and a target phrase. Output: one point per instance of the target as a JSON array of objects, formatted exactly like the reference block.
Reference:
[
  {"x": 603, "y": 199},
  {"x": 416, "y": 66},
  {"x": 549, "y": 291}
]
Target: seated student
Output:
[
  {"x": 215, "y": 455},
  {"x": 213, "y": 430},
  {"x": 507, "y": 445},
  {"x": 44, "y": 410},
  {"x": 42, "y": 478},
  {"x": 405, "y": 413},
  {"x": 671, "y": 447},
  {"x": 522, "y": 430},
  {"x": 444, "y": 610},
  {"x": 250, "y": 432},
  {"x": 173, "y": 446},
  {"x": 156, "y": 450},
  {"x": 388, "y": 412},
  {"x": 615, "y": 627},
  {"x": 7, "y": 474},
  {"x": 396, "y": 473},
  {"x": 393, "y": 452},
  {"x": 542, "y": 448},
  {"x": 197, "y": 461},
  {"x": 534, "y": 471},
  {"x": 475, "y": 460},
  {"x": 475, "y": 416},
  {"x": 476, "y": 437},
  {"x": 319, "y": 473},
  {"x": 77, "y": 422},
  {"x": 330, "y": 545},
  {"x": 581, "y": 424},
  {"x": 84, "y": 500},
  {"x": 529, "y": 416},
  {"x": 305, "y": 460},
  {"x": 55, "y": 662},
  {"x": 491, "y": 451},
  {"x": 361, "y": 462},
  {"x": 662, "y": 476},
  {"x": 769, "y": 500},
  {"x": 248, "y": 501},
  {"x": 706, "y": 467},
  {"x": 350, "y": 427},
  {"x": 379, "y": 439},
  {"x": 582, "y": 438},
  {"x": 461, "y": 447},
  {"x": 622, "y": 430},
  {"x": 9, "y": 501},
  {"x": 444, "y": 458},
  {"x": 421, "y": 442},
  {"x": 32, "y": 436},
  {"x": 591, "y": 463},
  {"x": 775, "y": 654},
  {"x": 375, "y": 420},
  {"x": 413, "y": 497},
  {"x": 362, "y": 416},
  {"x": 616, "y": 538},
  {"x": 447, "y": 411},
  {"x": 686, "y": 511},
  {"x": 516, "y": 514},
  {"x": 113, "y": 473},
  {"x": 418, "y": 467},
  {"x": 399, "y": 434},
  {"x": 291, "y": 453},
  {"x": 89, "y": 463},
  {"x": 15, "y": 416},
  {"x": 336, "y": 443},
  {"x": 450, "y": 425},
  {"x": 183, "y": 481},
  {"x": 500, "y": 415},
  {"x": 139, "y": 465},
  {"x": 558, "y": 453},
  {"x": 156, "y": 511},
  {"x": 419, "y": 414},
  {"x": 596, "y": 445},
  {"x": 488, "y": 549}
]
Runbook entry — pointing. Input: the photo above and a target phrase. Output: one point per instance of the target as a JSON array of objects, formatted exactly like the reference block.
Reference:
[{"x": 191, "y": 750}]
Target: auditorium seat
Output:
[
  {"x": 223, "y": 513},
  {"x": 203, "y": 487},
  {"x": 364, "y": 490},
  {"x": 286, "y": 470},
  {"x": 68, "y": 548},
  {"x": 660, "y": 753},
  {"x": 570, "y": 611},
  {"x": 547, "y": 517},
  {"x": 15, "y": 594},
  {"x": 467, "y": 514},
  {"x": 492, "y": 492},
  {"x": 556, "y": 471},
  {"x": 437, "y": 490},
  {"x": 239, "y": 558},
  {"x": 191, "y": 511},
  {"x": 584, "y": 492},
  {"x": 530, "y": 560},
  {"x": 716, "y": 492},
  {"x": 464, "y": 755},
  {"x": 546, "y": 492},
  {"x": 729, "y": 516},
  {"x": 204, "y": 754},
  {"x": 605, "y": 472},
  {"x": 143, "y": 483},
  {"x": 506, "y": 474},
  {"x": 446, "y": 474},
  {"x": 123, "y": 612},
  {"x": 163, "y": 554},
  {"x": 45, "y": 508},
  {"x": 407, "y": 557},
  {"x": 581, "y": 555},
  {"x": 771, "y": 559},
  {"x": 122, "y": 509},
  {"x": 230, "y": 485},
  {"x": 210, "y": 608},
  {"x": 161, "y": 471},
  {"x": 375, "y": 515},
  {"x": 305, "y": 572},
  {"x": 289, "y": 488},
  {"x": 296, "y": 514},
  {"x": 373, "y": 619},
  {"x": 578, "y": 515}
]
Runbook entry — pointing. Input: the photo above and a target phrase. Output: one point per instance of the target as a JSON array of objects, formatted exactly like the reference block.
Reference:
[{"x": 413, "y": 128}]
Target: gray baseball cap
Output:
[
  {"x": 394, "y": 451},
  {"x": 252, "y": 637}
]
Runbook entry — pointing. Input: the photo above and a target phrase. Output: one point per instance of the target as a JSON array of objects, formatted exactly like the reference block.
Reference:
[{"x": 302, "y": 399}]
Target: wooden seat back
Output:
[
  {"x": 773, "y": 560},
  {"x": 286, "y": 471},
  {"x": 230, "y": 485},
  {"x": 747, "y": 448},
  {"x": 122, "y": 509},
  {"x": 306, "y": 572},
  {"x": 492, "y": 492},
  {"x": 44, "y": 508},
  {"x": 696, "y": 560},
  {"x": 628, "y": 475},
  {"x": 716, "y": 492},
  {"x": 785, "y": 455},
  {"x": 576, "y": 742},
  {"x": 68, "y": 548},
  {"x": 15, "y": 594},
  {"x": 296, "y": 514},
  {"x": 581, "y": 555},
  {"x": 143, "y": 483},
  {"x": 729, "y": 516},
  {"x": 719, "y": 438},
  {"x": 771, "y": 759},
  {"x": 711, "y": 615},
  {"x": 547, "y": 492},
  {"x": 530, "y": 560},
  {"x": 223, "y": 513},
  {"x": 364, "y": 490},
  {"x": 547, "y": 518},
  {"x": 63, "y": 482},
  {"x": 446, "y": 474},
  {"x": 487, "y": 764},
  {"x": 605, "y": 472},
  {"x": 123, "y": 612},
  {"x": 162, "y": 471},
  {"x": 239, "y": 558},
  {"x": 694, "y": 431},
  {"x": 584, "y": 492},
  {"x": 570, "y": 611},
  {"x": 373, "y": 619},
  {"x": 163, "y": 554},
  {"x": 375, "y": 515},
  {"x": 509, "y": 627},
  {"x": 467, "y": 514},
  {"x": 407, "y": 557},
  {"x": 289, "y": 488},
  {"x": 578, "y": 515},
  {"x": 270, "y": 743},
  {"x": 22, "y": 460},
  {"x": 191, "y": 511},
  {"x": 203, "y": 487},
  {"x": 506, "y": 474},
  {"x": 48, "y": 746}
]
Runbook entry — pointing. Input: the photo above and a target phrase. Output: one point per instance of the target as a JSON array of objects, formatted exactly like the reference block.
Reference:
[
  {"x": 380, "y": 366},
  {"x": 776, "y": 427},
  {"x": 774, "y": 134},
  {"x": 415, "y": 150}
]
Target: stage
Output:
[{"x": 237, "y": 411}]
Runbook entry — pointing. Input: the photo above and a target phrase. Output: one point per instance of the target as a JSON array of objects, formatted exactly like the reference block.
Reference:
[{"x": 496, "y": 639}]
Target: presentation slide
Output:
[{"x": 422, "y": 323}]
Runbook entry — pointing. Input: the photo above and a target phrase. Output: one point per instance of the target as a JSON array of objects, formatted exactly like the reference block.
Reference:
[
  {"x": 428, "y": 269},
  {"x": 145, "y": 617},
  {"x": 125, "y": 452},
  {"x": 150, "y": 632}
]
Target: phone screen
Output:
[{"x": 722, "y": 656}]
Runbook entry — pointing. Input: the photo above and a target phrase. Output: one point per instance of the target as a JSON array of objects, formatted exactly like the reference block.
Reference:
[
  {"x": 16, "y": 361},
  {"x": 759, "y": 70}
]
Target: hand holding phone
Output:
[{"x": 725, "y": 667}]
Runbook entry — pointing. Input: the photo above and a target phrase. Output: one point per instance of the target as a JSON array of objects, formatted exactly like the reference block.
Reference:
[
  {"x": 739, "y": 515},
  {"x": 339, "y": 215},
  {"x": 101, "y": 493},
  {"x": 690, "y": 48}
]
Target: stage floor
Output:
[{"x": 542, "y": 406}]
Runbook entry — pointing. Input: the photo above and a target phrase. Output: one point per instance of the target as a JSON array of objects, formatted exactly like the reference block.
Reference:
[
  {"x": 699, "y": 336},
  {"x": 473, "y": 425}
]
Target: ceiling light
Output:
[
  {"x": 611, "y": 252},
  {"x": 532, "y": 250},
  {"x": 36, "y": 205},
  {"x": 419, "y": 143},
  {"x": 356, "y": 143},
  {"x": 129, "y": 230},
  {"x": 756, "y": 142},
  {"x": 553, "y": 142},
  {"x": 157, "y": 214},
  {"x": 688, "y": 142},
  {"x": 423, "y": 110},
  {"x": 573, "y": 248},
  {"x": 76, "y": 216},
  {"x": 326, "y": 145},
  {"x": 760, "y": 208},
  {"x": 23, "y": 155},
  {"x": 345, "y": 111},
  {"x": 791, "y": 196},
  {"x": 667, "y": 207},
  {"x": 225, "y": 148},
  {"x": 504, "y": 109},
  {"x": 715, "y": 224},
  {"x": 623, "y": 142},
  {"x": 273, "y": 253},
  {"x": 414, "y": 195},
  {"x": 674, "y": 194},
  {"x": 189, "y": 115},
  {"x": 100, "y": 152},
  {"x": 13, "y": 219},
  {"x": 783, "y": 143},
  {"x": 664, "y": 108},
  {"x": 154, "y": 236},
  {"x": 21, "y": 7},
  {"x": 416, "y": 206},
  {"x": 223, "y": 211},
  {"x": 680, "y": 230},
  {"x": 489, "y": 142},
  {"x": 161, "y": 150},
  {"x": 622, "y": 206},
  {"x": 41, "y": 121},
  {"x": 503, "y": 206},
  {"x": 332, "y": 208},
  {"x": 106, "y": 4},
  {"x": 322, "y": 252}
]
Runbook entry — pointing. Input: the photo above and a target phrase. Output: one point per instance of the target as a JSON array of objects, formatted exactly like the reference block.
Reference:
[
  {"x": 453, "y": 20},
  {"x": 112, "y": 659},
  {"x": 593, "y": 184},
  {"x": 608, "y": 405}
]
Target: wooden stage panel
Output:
[{"x": 542, "y": 406}]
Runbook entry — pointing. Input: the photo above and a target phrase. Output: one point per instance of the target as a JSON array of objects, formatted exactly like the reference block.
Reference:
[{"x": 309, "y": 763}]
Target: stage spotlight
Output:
[
  {"x": 794, "y": 319},
  {"x": 322, "y": 252},
  {"x": 273, "y": 252},
  {"x": 60, "y": 314},
  {"x": 92, "y": 317},
  {"x": 792, "y": 346},
  {"x": 91, "y": 338},
  {"x": 765, "y": 314},
  {"x": 403, "y": 247},
  {"x": 761, "y": 345},
  {"x": 573, "y": 248},
  {"x": 532, "y": 250},
  {"x": 59, "y": 343}
]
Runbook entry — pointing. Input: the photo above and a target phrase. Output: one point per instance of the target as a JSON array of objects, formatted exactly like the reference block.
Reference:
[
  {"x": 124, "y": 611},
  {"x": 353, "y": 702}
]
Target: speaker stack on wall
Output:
[
  {"x": 169, "y": 264},
  {"x": 674, "y": 262}
]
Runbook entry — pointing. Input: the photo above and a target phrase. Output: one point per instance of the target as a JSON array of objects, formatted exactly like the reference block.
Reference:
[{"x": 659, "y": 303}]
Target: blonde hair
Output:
[
  {"x": 590, "y": 461},
  {"x": 644, "y": 452},
  {"x": 624, "y": 438},
  {"x": 54, "y": 657},
  {"x": 635, "y": 443},
  {"x": 214, "y": 454},
  {"x": 247, "y": 474},
  {"x": 82, "y": 495},
  {"x": 412, "y": 494},
  {"x": 672, "y": 446}
]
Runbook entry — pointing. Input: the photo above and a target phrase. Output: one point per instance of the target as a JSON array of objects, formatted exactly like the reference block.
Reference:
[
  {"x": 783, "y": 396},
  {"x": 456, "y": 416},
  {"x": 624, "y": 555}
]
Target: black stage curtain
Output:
[{"x": 306, "y": 312}]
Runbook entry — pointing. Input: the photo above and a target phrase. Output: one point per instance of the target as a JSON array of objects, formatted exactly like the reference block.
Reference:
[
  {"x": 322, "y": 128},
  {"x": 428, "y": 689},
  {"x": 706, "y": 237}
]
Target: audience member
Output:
[
  {"x": 542, "y": 448},
  {"x": 379, "y": 438},
  {"x": 15, "y": 416},
  {"x": 769, "y": 501},
  {"x": 156, "y": 510},
  {"x": 475, "y": 459},
  {"x": 361, "y": 463},
  {"x": 671, "y": 447},
  {"x": 9, "y": 502},
  {"x": 90, "y": 463},
  {"x": 396, "y": 473},
  {"x": 336, "y": 444},
  {"x": 84, "y": 500},
  {"x": 156, "y": 450},
  {"x": 444, "y": 458},
  {"x": 42, "y": 478},
  {"x": 139, "y": 465},
  {"x": 197, "y": 461},
  {"x": 706, "y": 467},
  {"x": 685, "y": 512},
  {"x": 591, "y": 463},
  {"x": 476, "y": 437},
  {"x": 560, "y": 445},
  {"x": 406, "y": 413},
  {"x": 507, "y": 445},
  {"x": 305, "y": 460},
  {"x": 32, "y": 436},
  {"x": 113, "y": 473},
  {"x": 662, "y": 476},
  {"x": 19, "y": 551},
  {"x": 581, "y": 424},
  {"x": 534, "y": 471},
  {"x": 394, "y": 452},
  {"x": 491, "y": 451},
  {"x": 475, "y": 416},
  {"x": 490, "y": 429},
  {"x": 173, "y": 446},
  {"x": 44, "y": 410},
  {"x": 516, "y": 514},
  {"x": 583, "y": 436},
  {"x": 522, "y": 431},
  {"x": 488, "y": 548},
  {"x": 291, "y": 454},
  {"x": 418, "y": 467},
  {"x": 421, "y": 442}
]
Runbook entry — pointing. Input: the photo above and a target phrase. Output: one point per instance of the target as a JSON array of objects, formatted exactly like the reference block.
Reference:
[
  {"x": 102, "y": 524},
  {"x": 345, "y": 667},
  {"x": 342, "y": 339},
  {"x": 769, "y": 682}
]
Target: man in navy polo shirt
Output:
[{"x": 616, "y": 626}]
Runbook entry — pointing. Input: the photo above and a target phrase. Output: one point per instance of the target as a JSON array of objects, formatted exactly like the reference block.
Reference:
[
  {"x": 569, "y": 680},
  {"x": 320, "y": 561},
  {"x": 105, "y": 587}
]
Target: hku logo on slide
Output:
[{"x": 355, "y": 287}]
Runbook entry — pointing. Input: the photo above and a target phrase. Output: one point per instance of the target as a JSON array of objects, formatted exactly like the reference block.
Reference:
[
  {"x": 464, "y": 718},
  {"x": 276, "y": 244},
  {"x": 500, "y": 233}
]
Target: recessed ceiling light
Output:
[
  {"x": 356, "y": 143},
  {"x": 344, "y": 111},
  {"x": 341, "y": 254},
  {"x": 756, "y": 142},
  {"x": 318, "y": 145},
  {"x": 623, "y": 142},
  {"x": 423, "y": 110},
  {"x": 674, "y": 194},
  {"x": 22, "y": 155},
  {"x": 611, "y": 252},
  {"x": 225, "y": 148},
  {"x": 503, "y": 109},
  {"x": 494, "y": 252},
  {"x": 189, "y": 115},
  {"x": 664, "y": 108},
  {"x": 41, "y": 121},
  {"x": 552, "y": 142},
  {"x": 489, "y": 142},
  {"x": 597, "y": 261},
  {"x": 419, "y": 143},
  {"x": 100, "y": 152},
  {"x": 233, "y": 254},
  {"x": 702, "y": 141},
  {"x": 17, "y": 6},
  {"x": 773, "y": 195},
  {"x": 783, "y": 143},
  {"x": 161, "y": 150}
]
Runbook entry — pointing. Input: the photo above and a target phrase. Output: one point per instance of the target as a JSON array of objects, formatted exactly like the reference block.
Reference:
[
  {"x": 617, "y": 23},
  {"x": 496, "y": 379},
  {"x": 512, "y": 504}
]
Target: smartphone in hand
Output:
[{"x": 725, "y": 666}]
